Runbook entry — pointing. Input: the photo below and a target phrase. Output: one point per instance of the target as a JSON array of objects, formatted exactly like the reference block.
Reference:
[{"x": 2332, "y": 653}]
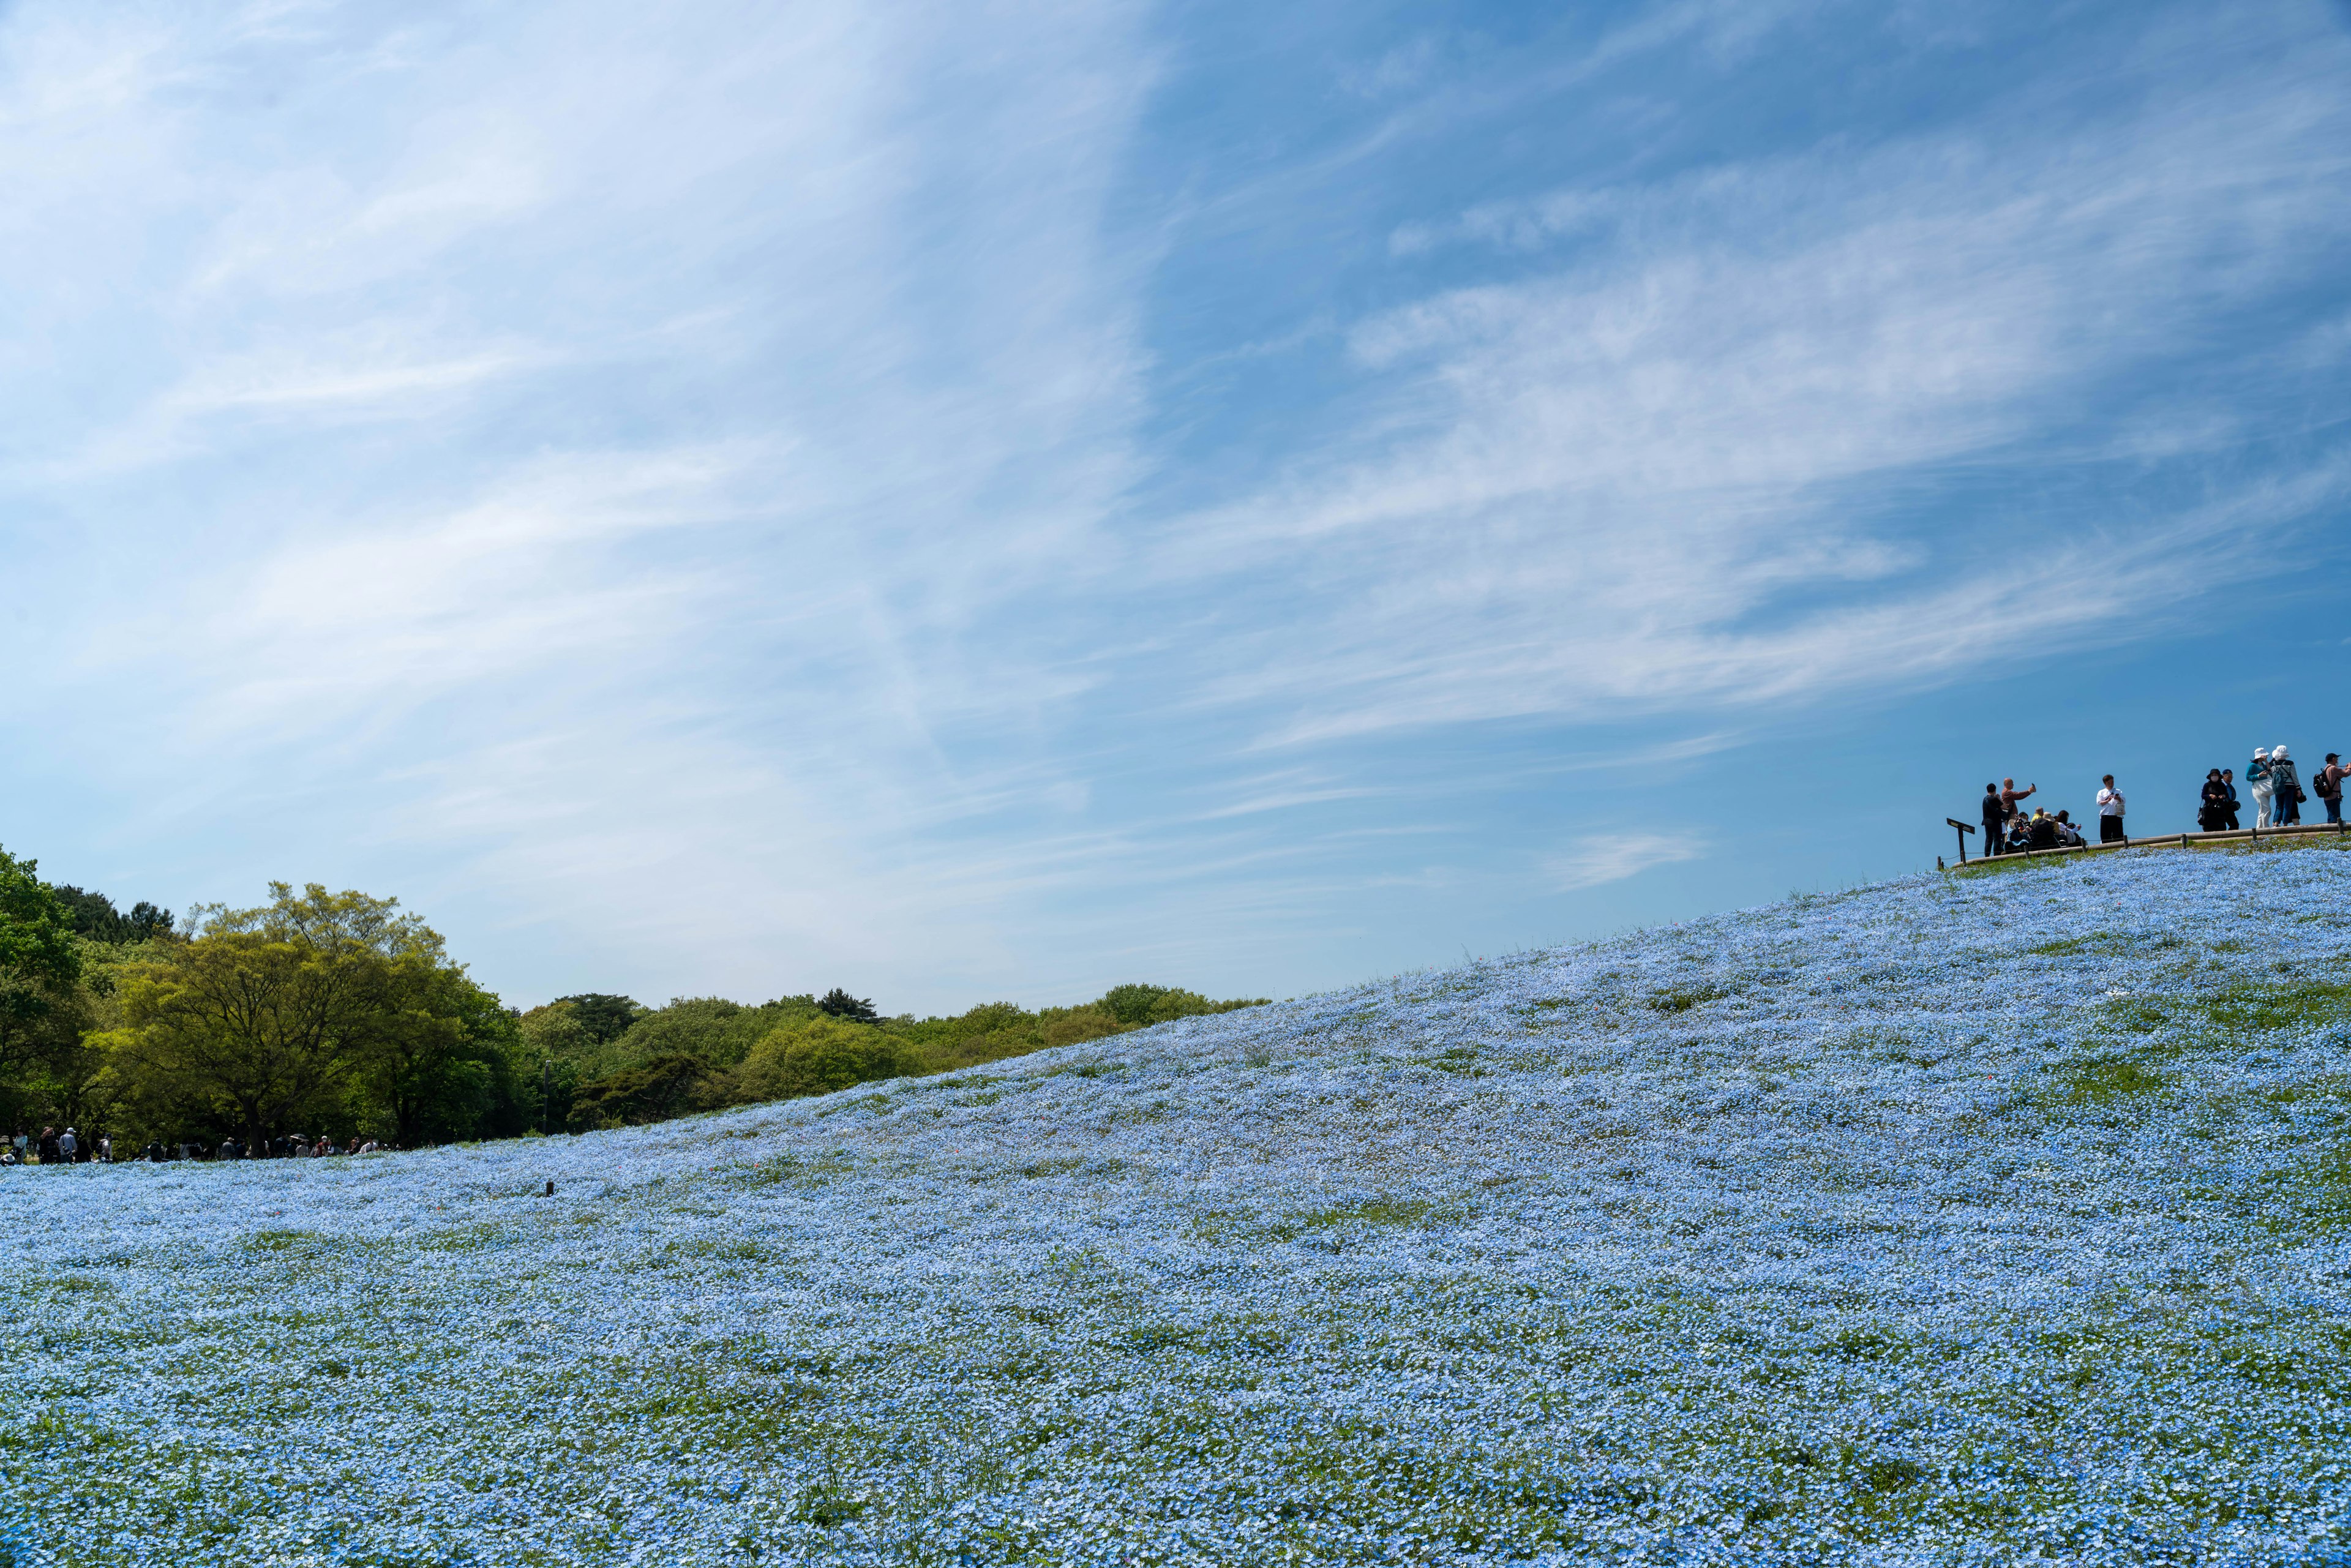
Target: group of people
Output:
[
  {"x": 67, "y": 1147},
  {"x": 2273, "y": 778},
  {"x": 2278, "y": 795},
  {"x": 2008, "y": 829}
]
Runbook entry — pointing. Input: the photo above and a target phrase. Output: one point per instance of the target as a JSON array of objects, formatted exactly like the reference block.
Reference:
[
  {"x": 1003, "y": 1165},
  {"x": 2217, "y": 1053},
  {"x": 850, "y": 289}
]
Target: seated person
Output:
[
  {"x": 2068, "y": 835},
  {"x": 2041, "y": 833}
]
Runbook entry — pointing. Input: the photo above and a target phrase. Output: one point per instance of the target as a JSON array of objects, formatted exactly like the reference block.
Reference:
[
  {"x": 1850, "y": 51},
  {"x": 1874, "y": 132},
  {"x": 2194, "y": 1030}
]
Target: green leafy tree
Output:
[
  {"x": 605, "y": 1018},
  {"x": 287, "y": 1009},
  {"x": 40, "y": 968},
  {"x": 817, "y": 1056}
]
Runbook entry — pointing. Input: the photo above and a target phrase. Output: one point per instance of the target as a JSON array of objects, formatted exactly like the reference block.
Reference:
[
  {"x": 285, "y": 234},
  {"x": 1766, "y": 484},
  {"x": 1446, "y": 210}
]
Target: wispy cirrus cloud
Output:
[
  {"x": 1685, "y": 468},
  {"x": 1602, "y": 859}
]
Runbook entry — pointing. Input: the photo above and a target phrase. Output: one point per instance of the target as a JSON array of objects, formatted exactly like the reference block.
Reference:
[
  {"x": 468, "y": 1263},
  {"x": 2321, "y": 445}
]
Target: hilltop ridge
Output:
[{"x": 1981, "y": 1220}]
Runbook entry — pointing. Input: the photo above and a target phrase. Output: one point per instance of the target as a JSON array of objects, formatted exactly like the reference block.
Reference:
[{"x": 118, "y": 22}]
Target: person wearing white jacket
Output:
[{"x": 2257, "y": 779}]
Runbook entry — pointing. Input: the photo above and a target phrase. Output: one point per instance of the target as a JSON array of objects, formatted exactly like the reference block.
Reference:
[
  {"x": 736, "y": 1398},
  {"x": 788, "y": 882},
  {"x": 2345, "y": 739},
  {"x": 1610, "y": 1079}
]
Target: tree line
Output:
[{"x": 340, "y": 1014}]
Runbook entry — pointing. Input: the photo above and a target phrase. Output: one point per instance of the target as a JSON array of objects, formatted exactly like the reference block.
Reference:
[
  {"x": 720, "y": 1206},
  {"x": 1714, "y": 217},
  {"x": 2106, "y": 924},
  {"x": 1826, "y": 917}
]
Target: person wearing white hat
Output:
[
  {"x": 2286, "y": 786},
  {"x": 2257, "y": 780}
]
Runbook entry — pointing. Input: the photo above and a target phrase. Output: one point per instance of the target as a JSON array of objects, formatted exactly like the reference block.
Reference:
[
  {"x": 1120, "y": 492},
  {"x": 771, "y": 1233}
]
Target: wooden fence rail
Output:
[{"x": 2160, "y": 841}]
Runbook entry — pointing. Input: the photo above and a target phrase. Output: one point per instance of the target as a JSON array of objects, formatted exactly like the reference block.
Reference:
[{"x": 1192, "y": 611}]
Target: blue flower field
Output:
[{"x": 2001, "y": 1219}]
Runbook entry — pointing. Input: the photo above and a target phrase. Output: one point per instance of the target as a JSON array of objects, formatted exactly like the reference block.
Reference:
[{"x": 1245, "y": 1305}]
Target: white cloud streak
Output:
[{"x": 1599, "y": 861}]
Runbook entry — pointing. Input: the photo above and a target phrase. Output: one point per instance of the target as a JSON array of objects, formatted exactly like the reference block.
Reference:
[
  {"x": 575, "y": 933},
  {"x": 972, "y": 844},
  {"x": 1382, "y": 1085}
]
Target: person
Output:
[
  {"x": 67, "y": 1145},
  {"x": 24, "y": 1144},
  {"x": 2041, "y": 833},
  {"x": 2257, "y": 780},
  {"x": 2067, "y": 833},
  {"x": 153, "y": 1154},
  {"x": 232, "y": 1148},
  {"x": 2110, "y": 814},
  {"x": 48, "y": 1146},
  {"x": 1995, "y": 825},
  {"x": 2009, "y": 796},
  {"x": 323, "y": 1149},
  {"x": 2229, "y": 782},
  {"x": 2212, "y": 809},
  {"x": 2286, "y": 789},
  {"x": 2329, "y": 788}
]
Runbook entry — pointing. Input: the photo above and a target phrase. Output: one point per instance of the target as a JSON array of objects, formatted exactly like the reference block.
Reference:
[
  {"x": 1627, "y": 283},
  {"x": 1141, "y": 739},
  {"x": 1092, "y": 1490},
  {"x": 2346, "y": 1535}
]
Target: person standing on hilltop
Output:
[
  {"x": 2110, "y": 814},
  {"x": 2009, "y": 796},
  {"x": 2257, "y": 780},
  {"x": 2229, "y": 783},
  {"x": 2328, "y": 787},
  {"x": 1995, "y": 820},
  {"x": 2286, "y": 789},
  {"x": 2212, "y": 808}
]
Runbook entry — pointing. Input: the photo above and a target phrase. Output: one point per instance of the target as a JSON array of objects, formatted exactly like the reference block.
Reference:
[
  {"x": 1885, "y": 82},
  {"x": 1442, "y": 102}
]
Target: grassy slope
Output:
[{"x": 1992, "y": 1219}]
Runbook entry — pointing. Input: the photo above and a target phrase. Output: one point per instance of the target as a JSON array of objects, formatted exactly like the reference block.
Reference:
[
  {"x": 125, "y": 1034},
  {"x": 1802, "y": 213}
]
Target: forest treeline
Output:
[{"x": 339, "y": 1014}]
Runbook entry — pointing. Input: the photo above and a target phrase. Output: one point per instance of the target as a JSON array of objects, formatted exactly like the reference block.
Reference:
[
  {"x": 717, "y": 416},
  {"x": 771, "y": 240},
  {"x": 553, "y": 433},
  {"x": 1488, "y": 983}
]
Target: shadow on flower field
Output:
[{"x": 2003, "y": 1219}]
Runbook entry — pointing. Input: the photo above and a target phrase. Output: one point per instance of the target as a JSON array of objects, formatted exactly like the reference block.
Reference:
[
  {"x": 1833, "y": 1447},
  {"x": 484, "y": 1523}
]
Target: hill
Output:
[{"x": 1985, "y": 1220}]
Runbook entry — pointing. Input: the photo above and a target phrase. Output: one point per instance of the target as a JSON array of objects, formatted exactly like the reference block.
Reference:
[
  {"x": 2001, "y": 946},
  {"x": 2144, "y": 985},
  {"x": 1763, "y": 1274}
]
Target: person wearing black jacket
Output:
[
  {"x": 2214, "y": 811},
  {"x": 1995, "y": 820}
]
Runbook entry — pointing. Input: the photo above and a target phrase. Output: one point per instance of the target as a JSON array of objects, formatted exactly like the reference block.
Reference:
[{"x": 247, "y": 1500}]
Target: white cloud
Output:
[
  {"x": 1678, "y": 472},
  {"x": 1598, "y": 861}
]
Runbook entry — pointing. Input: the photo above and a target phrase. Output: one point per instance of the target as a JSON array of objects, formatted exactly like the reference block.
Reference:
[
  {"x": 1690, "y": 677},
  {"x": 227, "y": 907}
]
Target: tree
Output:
[
  {"x": 94, "y": 917},
  {"x": 605, "y": 1018},
  {"x": 41, "y": 967},
  {"x": 817, "y": 1057},
  {"x": 655, "y": 1090},
  {"x": 274, "y": 1011},
  {"x": 842, "y": 1005}
]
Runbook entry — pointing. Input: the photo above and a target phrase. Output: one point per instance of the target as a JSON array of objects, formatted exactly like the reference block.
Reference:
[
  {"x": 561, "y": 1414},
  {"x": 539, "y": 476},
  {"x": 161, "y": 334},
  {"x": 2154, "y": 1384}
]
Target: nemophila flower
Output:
[{"x": 1987, "y": 1221}]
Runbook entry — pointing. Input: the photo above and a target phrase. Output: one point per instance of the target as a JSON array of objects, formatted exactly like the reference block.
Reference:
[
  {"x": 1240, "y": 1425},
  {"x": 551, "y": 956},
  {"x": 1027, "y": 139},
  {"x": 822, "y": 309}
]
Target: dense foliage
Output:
[
  {"x": 338, "y": 1015},
  {"x": 1981, "y": 1222}
]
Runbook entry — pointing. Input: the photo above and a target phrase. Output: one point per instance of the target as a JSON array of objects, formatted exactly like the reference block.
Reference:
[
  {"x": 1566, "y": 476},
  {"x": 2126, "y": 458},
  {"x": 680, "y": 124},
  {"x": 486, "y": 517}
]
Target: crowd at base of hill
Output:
[
  {"x": 53, "y": 1147},
  {"x": 2273, "y": 778}
]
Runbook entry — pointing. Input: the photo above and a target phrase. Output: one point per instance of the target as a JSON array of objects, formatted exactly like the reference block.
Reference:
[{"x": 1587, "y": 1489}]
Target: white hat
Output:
[
  {"x": 2260, "y": 751},
  {"x": 2277, "y": 751}
]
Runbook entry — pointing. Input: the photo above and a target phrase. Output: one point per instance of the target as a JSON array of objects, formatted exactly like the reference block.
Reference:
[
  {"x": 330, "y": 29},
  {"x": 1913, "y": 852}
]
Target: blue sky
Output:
[{"x": 970, "y": 501}]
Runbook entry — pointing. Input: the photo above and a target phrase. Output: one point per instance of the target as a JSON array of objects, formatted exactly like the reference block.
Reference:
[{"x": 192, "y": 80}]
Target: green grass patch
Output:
[{"x": 2102, "y": 1081}]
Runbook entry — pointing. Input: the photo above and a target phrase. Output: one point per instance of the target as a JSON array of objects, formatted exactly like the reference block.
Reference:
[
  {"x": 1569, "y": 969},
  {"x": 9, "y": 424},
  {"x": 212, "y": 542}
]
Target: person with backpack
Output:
[
  {"x": 2286, "y": 789},
  {"x": 2329, "y": 785},
  {"x": 2110, "y": 814}
]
